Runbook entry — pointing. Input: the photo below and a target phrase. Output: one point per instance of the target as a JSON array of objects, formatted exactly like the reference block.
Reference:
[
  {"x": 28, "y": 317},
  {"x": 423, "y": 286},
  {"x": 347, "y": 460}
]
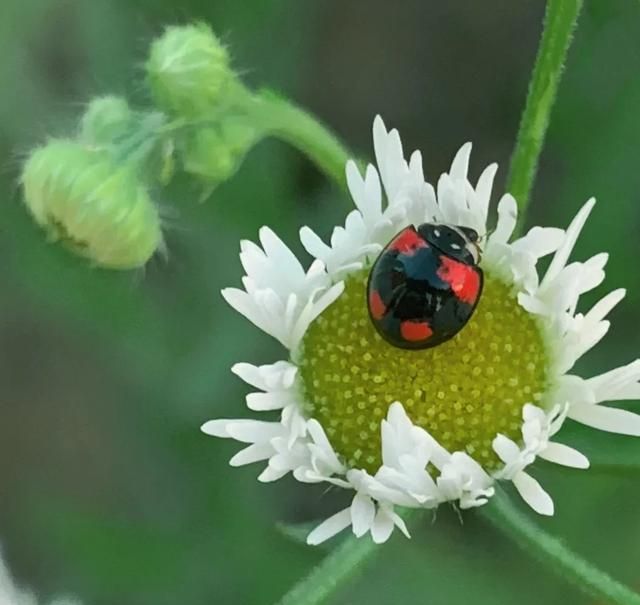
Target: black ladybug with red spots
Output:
[{"x": 425, "y": 285}]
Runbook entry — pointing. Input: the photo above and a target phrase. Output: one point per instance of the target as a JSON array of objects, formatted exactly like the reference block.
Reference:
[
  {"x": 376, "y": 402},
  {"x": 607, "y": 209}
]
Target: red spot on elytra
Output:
[
  {"x": 408, "y": 241},
  {"x": 463, "y": 279},
  {"x": 414, "y": 331},
  {"x": 376, "y": 305}
]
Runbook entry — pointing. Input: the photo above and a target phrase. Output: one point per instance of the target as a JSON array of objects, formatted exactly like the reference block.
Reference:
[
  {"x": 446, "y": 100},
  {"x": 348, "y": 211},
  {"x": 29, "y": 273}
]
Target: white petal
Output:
[
  {"x": 617, "y": 384},
  {"x": 250, "y": 374},
  {"x": 460, "y": 165},
  {"x": 312, "y": 310},
  {"x": 398, "y": 521},
  {"x": 280, "y": 254},
  {"x": 606, "y": 419},
  {"x": 507, "y": 217},
  {"x": 540, "y": 241},
  {"x": 575, "y": 390},
  {"x": 270, "y": 474},
  {"x": 217, "y": 428},
  {"x": 573, "y": 231},
  {"x": 251, "y": 454},
  {"x": 483, "y": 189},
  {"x": 559, "y": 453},
  {"x": 397, "y": 416},
  {"x": 329, "y": 528},
  {"x": 355, "y": 183},
  {"x": 244, "y": 304},
  {"x": 415, "y": 165},
  {"x": 602, "y": 308},
  {"x": 262, "y": 402},
  {"x": 252, "y": 431},
  {"x": 318, "y": 435},
  {"x": 363, "y": 512},
  {"x": 382, "y": 527},
  {"x": 372, "y": 203},
  {"x": 507, "y": 450},
  {"x": 267, "y": 377},
  {"x": 533, "y": 494},
  {"x": 449, "y": 202},
  {"x": 313, "y": 244},
  {"x": 389, "y": 157}
]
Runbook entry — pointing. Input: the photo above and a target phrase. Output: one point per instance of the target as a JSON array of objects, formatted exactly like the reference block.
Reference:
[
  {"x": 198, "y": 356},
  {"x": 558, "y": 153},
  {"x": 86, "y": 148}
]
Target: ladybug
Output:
[{"x": 425, "y": 285}]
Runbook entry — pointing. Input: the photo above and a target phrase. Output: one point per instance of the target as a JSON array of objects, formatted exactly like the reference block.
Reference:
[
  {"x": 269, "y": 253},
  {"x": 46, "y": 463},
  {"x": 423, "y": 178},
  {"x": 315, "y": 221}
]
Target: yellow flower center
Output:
[{"x": 463, "y": 392}]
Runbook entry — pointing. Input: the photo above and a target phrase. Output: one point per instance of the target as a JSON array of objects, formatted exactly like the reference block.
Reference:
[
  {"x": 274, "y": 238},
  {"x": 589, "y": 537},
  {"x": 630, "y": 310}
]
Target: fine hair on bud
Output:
[
  {"x": 95, "y": 206},
  {"x": 188, "y": 70},
  {"x": 106, "y": 120}
]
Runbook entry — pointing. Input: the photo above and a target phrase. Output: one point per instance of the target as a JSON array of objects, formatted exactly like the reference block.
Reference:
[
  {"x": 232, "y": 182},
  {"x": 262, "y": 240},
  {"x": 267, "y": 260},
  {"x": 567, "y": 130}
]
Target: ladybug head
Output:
[{"x": 456, "y": 242}]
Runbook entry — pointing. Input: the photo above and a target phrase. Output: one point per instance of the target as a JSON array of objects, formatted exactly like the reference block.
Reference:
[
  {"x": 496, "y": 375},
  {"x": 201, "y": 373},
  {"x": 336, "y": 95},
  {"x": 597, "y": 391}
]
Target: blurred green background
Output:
[{"x": 107, "y": 488}]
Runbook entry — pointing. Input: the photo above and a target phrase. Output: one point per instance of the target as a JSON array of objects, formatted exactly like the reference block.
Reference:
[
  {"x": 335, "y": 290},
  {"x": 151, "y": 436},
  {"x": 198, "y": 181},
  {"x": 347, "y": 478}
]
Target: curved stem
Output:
[
  {"x": 559, "y": 23},
  {"x": 280, "y": 118},
  {"x": 339, "y": 566},
  {"x": 332, "y": 573},
  {"x": 502, "y": 513}
]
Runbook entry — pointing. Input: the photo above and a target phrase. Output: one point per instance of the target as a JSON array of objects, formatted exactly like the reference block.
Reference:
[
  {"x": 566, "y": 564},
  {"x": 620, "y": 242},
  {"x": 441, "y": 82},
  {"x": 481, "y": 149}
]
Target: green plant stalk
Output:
[
  {"x": 332, "y": 573},
  {"x": 282, "y": 119},
  {"x": 339, "y": 567},
  {"x": 559, "y": 23},
  {"x": 549, "y": 550}
]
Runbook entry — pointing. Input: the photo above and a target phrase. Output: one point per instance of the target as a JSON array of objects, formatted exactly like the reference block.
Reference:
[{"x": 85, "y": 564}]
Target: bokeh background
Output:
[{"x": 108, "y": 490}]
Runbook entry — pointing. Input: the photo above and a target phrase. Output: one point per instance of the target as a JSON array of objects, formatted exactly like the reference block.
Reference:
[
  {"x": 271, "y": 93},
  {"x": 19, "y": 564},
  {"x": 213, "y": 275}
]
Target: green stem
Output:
[
  {"x": 340, "y": 566},
  {"x": 332, "y": 573},
  {"x": 560, "y": 21},
  {"x": 280, "y": 118},
  {"x": 551, "y": 551}
]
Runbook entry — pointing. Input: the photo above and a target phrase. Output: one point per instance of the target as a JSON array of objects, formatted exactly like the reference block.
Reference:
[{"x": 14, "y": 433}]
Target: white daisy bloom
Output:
[{"x": 407, "y": 428}]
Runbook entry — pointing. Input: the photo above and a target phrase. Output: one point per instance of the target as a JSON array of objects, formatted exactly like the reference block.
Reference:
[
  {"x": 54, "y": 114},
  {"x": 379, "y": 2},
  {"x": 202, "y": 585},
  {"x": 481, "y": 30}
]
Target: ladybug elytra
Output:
[{"x": 425, "y": 285}]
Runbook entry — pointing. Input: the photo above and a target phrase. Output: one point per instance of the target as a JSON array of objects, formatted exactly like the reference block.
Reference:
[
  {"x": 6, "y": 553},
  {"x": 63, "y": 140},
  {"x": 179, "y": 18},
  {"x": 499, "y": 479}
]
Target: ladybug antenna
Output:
[{"x": 488, "y": 233}]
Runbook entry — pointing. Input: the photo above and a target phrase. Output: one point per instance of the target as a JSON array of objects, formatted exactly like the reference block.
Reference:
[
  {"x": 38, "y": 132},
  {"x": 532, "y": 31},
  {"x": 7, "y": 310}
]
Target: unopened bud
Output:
[
  {"x": 188, "y": 70},
  {"x": 106, "y": 120},
  {"x": 213, "y": 154},
  {"x": 96, "y": 207}
]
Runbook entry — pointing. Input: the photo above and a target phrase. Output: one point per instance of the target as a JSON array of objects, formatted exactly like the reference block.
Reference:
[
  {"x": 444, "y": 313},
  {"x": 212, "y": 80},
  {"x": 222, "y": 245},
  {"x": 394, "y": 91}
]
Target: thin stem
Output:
[
  {"x": 559, "y": 23},
  {"x": 551, "y": 551},
  {"x": 340, "y": 566},
  {"x": 280, "y": 118},
  {"x": 332, "y": 573}
]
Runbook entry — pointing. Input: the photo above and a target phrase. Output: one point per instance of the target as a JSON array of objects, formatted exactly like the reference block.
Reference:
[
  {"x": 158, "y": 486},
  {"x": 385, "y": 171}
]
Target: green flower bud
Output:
[
  {"x": 96, "y": 207},
  {"x": 106, "y": 120},
  {"x": 204, "y": 155},
  {"x": 213, "y": 154},
  {"x": 188, "y": 70},
  {"x": 239, "y": 135}
]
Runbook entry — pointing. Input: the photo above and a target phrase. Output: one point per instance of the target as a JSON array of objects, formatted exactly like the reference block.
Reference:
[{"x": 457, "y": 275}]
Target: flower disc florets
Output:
[
  {"x": 462, "y": 392},
  {"x": 416, "y": 428}
]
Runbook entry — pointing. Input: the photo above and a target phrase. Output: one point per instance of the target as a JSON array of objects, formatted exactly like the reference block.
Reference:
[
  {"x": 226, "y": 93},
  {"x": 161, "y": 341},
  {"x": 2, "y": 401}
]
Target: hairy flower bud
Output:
[
  {"x": 188, "y": 70},
  {"x": 106, "y": 120},
  {"x": 213, "y": 154},
  {"x": 95, "y": 206}
]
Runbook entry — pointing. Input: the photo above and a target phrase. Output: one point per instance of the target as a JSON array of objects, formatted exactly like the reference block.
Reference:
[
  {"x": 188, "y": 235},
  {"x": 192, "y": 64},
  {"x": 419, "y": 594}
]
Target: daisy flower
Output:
[{"x": 417, "y": 428}]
